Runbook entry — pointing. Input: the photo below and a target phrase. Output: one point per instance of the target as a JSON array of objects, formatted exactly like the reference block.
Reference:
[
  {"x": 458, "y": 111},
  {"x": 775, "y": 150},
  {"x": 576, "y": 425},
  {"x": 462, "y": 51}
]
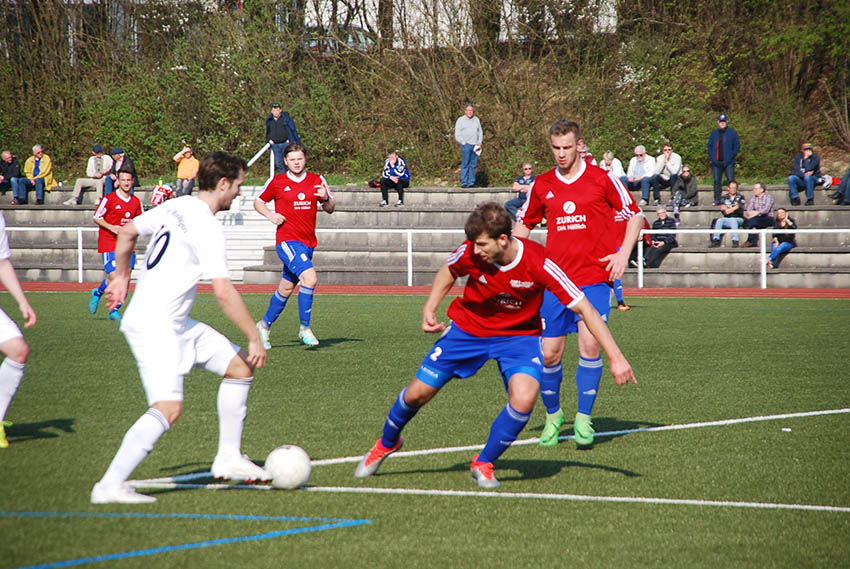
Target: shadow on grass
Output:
[
  {"x": 323, "y": 343},
  {"x": 20, "y": 432},
  {"x": 601, "y": 425},
  {"x": 529, "y": 469}
]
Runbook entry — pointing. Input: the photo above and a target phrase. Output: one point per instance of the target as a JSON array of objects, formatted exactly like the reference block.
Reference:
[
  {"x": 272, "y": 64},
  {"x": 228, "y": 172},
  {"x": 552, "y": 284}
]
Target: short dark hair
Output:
[
  {"x": 563, "y": 127},
  {"x": 490, "y": 218},
  {"x": 219, "y": 165},
  {"x": 294, "y": 147},
  {"x": 730, "y": 182}
]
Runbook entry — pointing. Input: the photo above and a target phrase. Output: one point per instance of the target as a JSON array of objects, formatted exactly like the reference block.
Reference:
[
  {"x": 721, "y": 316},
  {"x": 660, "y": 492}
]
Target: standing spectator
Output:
[
  {"x": 732, "y": 206},
  {"x": 639, "y": 175},
  {"x": 611, "y": 164},
  {"x": 662, "y": 243},
  {"x": 187, "y": 171},
  {"x": 521, "y": 187},
  {"x": 805, "y": 172},
  {"x": 120, "y": 162},
  {"x": 723, "y": 146},
  {"x": 668, "y": 168},
  {"x": 280, "y": 131},
  {"x": 585, "y": 154},
  {"x": 38, "y": 174},
  {"x": 759, "y": 213},
  {"x": 684, "y": 191},
  {"x": 394, "y": 175},
  {"x": 782, "y": 242},
  {"x": 469, "y": 135},
  {"x": 9, "y": 168},
  {"x": 97, "y": 170}
]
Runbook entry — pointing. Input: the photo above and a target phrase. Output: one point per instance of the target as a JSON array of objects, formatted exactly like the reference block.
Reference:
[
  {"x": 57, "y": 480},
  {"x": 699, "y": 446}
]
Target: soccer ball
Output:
[{"x": 289, "y": 466}]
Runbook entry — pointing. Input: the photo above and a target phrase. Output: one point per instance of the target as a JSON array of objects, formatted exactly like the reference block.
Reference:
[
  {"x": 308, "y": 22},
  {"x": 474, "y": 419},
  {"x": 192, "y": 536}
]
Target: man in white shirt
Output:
[
  {"x": 668, "y": 168},
  {"x": 97, "y": 169},
  {"x": 469, "y": 136},
  {"x": 640, "y": 172}
]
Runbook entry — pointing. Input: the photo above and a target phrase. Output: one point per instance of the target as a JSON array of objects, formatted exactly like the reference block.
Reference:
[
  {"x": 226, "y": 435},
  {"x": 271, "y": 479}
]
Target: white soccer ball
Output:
[{"x": 289, "y": 466}]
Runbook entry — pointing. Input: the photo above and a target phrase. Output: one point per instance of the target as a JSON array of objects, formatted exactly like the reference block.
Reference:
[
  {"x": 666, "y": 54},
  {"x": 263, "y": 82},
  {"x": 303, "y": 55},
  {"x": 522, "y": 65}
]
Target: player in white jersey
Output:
[
  {"x": 186, "y": 245},
  {"x": 12, "y": 343}
]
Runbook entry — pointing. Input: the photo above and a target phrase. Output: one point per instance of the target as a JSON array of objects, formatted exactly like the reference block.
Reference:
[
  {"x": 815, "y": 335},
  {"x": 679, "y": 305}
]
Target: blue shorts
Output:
[
  {"x": 109, "y": 261},
  {"x": 558, "y": 320},
  {"x": 296, "y": 258},
  {"x": 458, "y": 354}
]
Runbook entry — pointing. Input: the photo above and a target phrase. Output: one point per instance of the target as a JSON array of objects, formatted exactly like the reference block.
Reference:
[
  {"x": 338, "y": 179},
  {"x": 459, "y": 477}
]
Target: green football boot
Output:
[
  {"x": 552, "y": 428},
  {"x": 583, "y": 431}
]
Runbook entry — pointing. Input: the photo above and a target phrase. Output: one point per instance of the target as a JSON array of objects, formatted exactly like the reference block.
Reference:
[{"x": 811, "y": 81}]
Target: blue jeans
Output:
[
  {"x": 277, "y": 150},
  {"x": 778, "y": 250},
  {"x": 718, "y": 172},
  {"x": 109, "y": 186},
  {"x": 20, "y": 187},
  {"x": 795, "y": 183},
  {"x": 728, "y": 223},
  {"x": 468, "y": 162},
  {"x": 644, "y": 185},
  {"x": 513, "y": 205}
]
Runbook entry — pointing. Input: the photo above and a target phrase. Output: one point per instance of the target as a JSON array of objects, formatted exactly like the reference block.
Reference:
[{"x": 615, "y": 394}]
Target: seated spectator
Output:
[
  {"x": 611, "y": 164},
  {"x": 38, "y": 175},
  {"x": 732, "y": 206},
  {"x": 521, "y": 187},
  {"x": 9, "y": 168},
  {"x": 585, "y": 154},
  {"x": 120, "y": 162},
  {"x": 187, "y": 171},
  {"x": 668, "y": 168},
  {"x": 639, "y": 174},
  {"x": 805, "y": 172},
  {"x": 97, "y": 170},
  {"x": 394, "y": 175},
  {"x": 759, "y": 213},
  {"x": 684, "y": 191},
  {"x": 842, "y": 193},
  {"x": 782, "y": 242},
  {"x": 661, "y": 243}
]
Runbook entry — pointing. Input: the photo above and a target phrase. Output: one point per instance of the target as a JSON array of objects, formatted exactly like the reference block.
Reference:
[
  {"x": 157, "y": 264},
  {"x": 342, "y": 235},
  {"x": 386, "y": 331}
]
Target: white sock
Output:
[
  {"x": 137, "y": 444},
  {"x": 232, "y": 409},
  {"x": 11, "y": 374}
]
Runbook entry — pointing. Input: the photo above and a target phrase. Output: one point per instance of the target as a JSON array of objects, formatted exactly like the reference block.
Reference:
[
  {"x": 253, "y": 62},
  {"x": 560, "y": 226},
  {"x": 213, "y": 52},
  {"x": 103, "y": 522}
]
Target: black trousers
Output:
[
  {"x": 399, "y": 186},
  {"x": 654, "y": 255}
]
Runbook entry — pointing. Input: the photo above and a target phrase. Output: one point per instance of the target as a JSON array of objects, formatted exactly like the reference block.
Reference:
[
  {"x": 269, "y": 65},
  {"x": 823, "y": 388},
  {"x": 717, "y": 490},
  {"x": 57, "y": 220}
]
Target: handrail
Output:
[
  {"x": 257, "y": 156},
  {"x": 79, "y": 231}
]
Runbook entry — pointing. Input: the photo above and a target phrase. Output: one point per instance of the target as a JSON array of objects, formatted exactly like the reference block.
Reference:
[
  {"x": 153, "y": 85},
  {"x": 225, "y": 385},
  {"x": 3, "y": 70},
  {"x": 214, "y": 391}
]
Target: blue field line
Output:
[{"x": 334, "y": 524}]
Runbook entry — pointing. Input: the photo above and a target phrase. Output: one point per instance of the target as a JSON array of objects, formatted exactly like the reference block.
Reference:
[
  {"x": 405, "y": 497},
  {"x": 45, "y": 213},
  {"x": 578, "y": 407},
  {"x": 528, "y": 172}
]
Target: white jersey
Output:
[
  {"x": 5, "y": 250},
  {"x": 187, "y": 244}
]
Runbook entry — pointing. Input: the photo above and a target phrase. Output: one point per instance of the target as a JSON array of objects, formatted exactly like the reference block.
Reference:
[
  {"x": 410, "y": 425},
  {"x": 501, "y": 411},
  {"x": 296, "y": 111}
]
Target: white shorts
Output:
[
  {"x": 8, "y": 328},
  {"x": 165, "y": 356}
]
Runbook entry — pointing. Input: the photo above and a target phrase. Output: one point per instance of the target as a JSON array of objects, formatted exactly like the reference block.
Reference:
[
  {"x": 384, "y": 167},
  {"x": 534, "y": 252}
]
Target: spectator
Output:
[
  {"x": 38, "y": 174},
  {"x": 611, "y": 164},
  {"x": 187, "y": 171},
  {"x": 668, "y": 168},
  {"x": 662, "y": 243},
  {"x": 805, "y": 172},
  {"x": 782, "y": 242},
  {"x": 394, "y": 175},
  {"x": 759, "y": 213},
  {"x": 120, "y": 162},
  {"x": 842, "y": 194},
  {"x": 732, "y": 206},
  {"x": 521, "y": 187},
  {"x": 280, "y": 131},
  {"x": 684, "y": 191},
  {"x": 97, "y": 170},
  {"x": 723, "y": 146},
  {"x": 639, "y": 174},
  {"x": 9, "y": 168},
  {"x": 469, "y": 136},
  {"x": 585, "y": 154}
]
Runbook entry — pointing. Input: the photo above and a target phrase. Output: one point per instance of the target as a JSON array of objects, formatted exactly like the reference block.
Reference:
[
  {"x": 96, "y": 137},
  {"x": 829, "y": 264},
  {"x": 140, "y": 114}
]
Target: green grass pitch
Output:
[{"x": 696, "y": 360}]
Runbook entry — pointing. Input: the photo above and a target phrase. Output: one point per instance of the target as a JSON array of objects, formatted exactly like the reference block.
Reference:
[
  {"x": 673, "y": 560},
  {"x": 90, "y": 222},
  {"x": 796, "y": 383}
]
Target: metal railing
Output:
[{"x": 79, "y": 230}]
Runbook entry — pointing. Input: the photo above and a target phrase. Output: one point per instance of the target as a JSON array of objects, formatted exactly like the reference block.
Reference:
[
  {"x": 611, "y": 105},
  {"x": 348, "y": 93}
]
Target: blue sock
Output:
[
  {"x": 550, "y": 387},
  {"x": 505, "y": 430},
  {"x": 276, "y": 306},
  {"x": 588, "y": 377},
  {"x": 305, "y": 304},
  {"x": 102, "y": 288},
  {"x": 400, "y": 414},
  {"x": 618, "y": 290}
]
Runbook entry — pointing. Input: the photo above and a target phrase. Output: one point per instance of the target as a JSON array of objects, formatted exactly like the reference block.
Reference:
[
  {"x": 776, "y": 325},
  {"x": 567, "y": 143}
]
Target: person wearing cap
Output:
[
  {"x": 120, "y": 162},
  {"x": 805, "y": 172},
  {"x": 97, "y": 169},
  {"x": 280, "y": 131},
  {"x": 187, "y": 171},
  {"x": 723, "y": 146}
]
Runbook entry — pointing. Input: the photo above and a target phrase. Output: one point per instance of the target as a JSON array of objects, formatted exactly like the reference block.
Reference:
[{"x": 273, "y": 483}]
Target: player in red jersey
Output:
[
  {"x": 496, "y": 318},
  {"x": 579, "y": 203},
  {"x": 114, "y": 211},
  {"x": 295, "y": 194}
]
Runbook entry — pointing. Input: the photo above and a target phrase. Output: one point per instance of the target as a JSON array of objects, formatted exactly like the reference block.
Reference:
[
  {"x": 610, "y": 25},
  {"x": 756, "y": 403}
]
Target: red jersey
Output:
[
  {"x": 295, "y": 200},
  {"x": 115, "y": 210},
  {"x": 505, "y": 300},
  {"x": 579, "y": 214}
]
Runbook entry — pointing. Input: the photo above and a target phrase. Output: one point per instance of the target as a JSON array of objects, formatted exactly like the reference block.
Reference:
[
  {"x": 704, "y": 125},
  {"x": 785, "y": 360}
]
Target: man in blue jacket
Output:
[
  {"x": 723, "y": 147},
  {"x": 280, "y": 131},
  {"x": 805, "y": 172}
]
